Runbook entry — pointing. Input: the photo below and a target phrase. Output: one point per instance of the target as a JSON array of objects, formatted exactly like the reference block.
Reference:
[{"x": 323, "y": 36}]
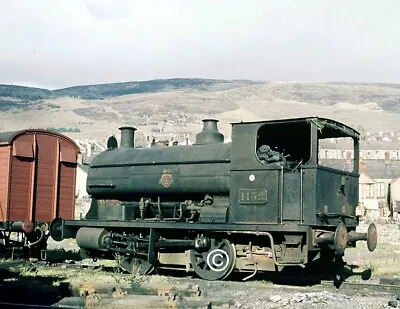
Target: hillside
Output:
[
  {"x": 105, "y": 91},
  {"x": 173, "y": 108},
  {"x": 21, "y": 94}
]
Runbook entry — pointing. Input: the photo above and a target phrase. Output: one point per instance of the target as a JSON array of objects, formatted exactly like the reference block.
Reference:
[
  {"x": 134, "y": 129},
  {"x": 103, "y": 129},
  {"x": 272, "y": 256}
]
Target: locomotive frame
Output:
[{"x": 259, "y": 203}]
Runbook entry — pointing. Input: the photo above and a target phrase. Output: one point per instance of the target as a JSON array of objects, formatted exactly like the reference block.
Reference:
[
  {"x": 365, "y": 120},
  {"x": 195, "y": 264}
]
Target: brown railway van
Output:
[{"x": 37, "y": 182}]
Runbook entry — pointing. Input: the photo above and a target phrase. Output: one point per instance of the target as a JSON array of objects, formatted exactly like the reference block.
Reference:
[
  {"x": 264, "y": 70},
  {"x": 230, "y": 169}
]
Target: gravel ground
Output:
[{"x": 264, "y": 295}]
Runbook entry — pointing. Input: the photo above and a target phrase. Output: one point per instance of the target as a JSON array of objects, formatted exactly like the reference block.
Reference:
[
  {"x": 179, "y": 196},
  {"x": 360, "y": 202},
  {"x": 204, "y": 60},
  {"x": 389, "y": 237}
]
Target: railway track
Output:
[
  {"x": 110, "y": 295},
  {"x": 375, "y": 287},
  {"x": 162, "y": 295}
]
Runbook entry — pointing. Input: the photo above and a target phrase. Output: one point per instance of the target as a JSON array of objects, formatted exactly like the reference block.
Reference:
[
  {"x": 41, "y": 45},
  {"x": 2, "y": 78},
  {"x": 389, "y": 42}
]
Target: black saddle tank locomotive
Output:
[{"x": 262, "y": 202}]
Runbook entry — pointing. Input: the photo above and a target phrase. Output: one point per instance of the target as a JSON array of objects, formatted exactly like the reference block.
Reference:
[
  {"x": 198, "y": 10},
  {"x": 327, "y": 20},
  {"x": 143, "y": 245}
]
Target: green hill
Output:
[{"x": 11, "y": 94}]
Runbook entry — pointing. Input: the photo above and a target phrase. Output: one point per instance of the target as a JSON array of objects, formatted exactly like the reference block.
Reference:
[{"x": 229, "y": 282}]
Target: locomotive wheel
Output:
[
  {"x": 136, "y": 266},
  {"x": 215, "y": 264}
]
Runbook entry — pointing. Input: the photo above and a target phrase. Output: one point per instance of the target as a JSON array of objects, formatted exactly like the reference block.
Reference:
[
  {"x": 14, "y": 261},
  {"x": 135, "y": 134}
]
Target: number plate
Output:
[{"x": 252, "y": 196}]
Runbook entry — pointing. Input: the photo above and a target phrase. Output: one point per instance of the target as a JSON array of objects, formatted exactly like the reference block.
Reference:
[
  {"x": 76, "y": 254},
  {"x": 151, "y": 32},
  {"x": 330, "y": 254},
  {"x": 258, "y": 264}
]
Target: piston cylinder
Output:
[{"x": 92, "y": 238}]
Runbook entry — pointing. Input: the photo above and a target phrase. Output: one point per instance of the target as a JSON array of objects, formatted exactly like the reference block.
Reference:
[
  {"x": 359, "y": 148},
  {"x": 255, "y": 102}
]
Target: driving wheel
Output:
[{"x": 217, "y": 262}]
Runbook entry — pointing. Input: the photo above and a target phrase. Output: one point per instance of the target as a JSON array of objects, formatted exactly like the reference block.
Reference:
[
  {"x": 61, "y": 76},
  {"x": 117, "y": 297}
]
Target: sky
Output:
[{"x": 55, "y": 43}]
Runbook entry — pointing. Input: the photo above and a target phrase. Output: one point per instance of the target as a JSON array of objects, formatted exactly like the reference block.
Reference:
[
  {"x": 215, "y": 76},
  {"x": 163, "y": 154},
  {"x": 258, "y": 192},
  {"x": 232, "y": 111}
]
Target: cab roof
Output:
[{"x": 327, "y": 127}]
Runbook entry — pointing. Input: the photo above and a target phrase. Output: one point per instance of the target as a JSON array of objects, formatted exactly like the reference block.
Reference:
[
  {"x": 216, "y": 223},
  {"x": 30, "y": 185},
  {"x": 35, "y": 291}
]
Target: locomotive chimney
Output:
[
  {"x": 210, "y": 133},
  {"x": 127, "y": 137}
]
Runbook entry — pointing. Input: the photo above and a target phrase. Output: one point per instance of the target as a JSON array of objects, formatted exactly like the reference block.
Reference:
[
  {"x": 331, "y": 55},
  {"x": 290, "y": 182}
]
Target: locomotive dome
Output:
[{"x": 210, "y": 133}]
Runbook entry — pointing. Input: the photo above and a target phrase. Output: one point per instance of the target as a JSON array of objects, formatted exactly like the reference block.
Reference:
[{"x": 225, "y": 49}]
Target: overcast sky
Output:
[{"x": 57, "y": 43}]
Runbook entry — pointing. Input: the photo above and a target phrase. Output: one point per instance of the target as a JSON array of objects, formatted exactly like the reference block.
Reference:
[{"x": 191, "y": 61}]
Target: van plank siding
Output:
[
  {"x": 4, "y": 183},
  {"x": 67, "y": 180},
  {"x": 37, "y": 182},
  {"x": 45, "y": 177},
  {"x": 20, "y": 189},
  {"x": 67, "y": 190}
]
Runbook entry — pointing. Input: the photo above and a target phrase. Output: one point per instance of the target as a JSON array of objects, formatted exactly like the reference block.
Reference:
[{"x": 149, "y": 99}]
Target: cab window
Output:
[{"x": 284, "y": 144}]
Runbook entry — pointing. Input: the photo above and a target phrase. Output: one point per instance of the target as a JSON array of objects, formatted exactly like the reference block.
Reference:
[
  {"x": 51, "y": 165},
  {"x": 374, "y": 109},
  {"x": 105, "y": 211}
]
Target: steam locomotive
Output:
[{"x": 260, "y": 203}]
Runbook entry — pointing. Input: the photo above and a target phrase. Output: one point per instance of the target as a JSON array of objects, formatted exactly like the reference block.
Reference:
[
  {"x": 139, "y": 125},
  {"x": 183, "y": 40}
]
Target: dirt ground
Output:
[{"x": 259, "y": 292}]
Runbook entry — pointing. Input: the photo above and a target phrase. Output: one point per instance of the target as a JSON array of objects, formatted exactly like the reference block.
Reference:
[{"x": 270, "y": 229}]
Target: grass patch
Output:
[{"x": 384, "y": 261}]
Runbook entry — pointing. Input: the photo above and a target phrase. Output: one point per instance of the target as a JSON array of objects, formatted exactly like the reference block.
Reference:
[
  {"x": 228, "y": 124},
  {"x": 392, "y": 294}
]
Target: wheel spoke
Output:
[
  {"x": 199, "y": 262},
  {"x": 220, "y": 245}
]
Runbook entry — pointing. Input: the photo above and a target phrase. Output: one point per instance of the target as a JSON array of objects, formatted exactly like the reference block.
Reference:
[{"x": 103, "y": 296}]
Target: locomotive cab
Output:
[{"x": 277, "y": 176}]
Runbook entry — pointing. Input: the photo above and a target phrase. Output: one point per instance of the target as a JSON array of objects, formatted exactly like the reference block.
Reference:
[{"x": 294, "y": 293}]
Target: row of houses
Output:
[
  {"x": 331, "y": 149},
  {"x": 379, "y": 187},
  {"x": 379, "y": 183}
]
